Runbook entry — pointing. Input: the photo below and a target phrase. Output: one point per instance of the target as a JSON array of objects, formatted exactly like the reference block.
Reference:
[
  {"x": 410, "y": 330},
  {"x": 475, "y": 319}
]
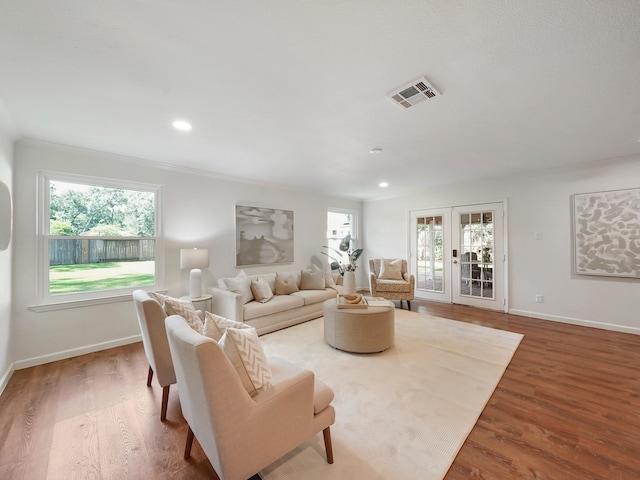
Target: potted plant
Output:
[{"x": 344, "y": 261}]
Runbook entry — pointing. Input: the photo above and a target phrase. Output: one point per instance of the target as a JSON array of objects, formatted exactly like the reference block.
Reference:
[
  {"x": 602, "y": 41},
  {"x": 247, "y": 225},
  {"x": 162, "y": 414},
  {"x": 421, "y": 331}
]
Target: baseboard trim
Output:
[
  {"x": 6, "y": 377},
  {"x": 577, "y": 321},
  {"x": 62, "y": 355}
]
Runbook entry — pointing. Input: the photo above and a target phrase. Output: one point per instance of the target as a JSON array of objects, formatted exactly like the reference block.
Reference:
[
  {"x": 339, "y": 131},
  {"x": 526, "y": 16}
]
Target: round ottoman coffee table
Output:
[{"x": 358, "y": 330}]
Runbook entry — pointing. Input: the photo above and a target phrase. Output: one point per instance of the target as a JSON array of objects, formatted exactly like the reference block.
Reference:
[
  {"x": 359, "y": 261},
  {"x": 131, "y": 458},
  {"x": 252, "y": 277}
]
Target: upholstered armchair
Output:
[
  {"x": 390, "y": 279},
  {"x": 151, "y": 317},
  {"x": 242, "y": 434}
]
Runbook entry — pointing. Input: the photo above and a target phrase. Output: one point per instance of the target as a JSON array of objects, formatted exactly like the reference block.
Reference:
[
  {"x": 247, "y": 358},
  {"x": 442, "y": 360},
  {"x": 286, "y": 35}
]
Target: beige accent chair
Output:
[
  {"x": 240, "y": 434},
  {"x": 398, "y": 289},
  {"x": 151, "y": 317}
]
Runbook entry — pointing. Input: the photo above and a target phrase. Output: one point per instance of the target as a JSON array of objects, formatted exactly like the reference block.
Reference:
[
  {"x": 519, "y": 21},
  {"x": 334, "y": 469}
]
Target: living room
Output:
[
  {"x": 198, "y": 206},
  {"x": 535, "y": 203},
  {"x": 34, "y": 338}
]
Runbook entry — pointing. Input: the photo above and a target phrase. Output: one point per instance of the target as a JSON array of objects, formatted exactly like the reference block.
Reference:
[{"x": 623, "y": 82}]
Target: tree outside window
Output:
[{"x": 100, "y": 238}]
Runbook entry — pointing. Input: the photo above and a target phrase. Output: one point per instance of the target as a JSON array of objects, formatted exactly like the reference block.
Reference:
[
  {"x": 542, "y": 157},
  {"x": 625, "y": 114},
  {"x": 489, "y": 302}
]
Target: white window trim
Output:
[
  {"x": 354, "y": 216},
  {"x": 47, "y": 302}
]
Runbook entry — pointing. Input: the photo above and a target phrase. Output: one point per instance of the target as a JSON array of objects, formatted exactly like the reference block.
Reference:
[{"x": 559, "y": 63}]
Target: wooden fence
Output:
[{"x": 63, "y": 251}]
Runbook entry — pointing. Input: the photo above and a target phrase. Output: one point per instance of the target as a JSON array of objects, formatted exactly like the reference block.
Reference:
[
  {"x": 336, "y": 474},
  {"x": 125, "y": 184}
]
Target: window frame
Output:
[
  {"x": 43, "y": 236},
  {"x": 353, "y": 226}
]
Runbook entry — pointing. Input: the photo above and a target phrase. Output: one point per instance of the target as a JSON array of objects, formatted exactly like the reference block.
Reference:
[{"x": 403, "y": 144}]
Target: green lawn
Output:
[{"x": 99, "y": 276}]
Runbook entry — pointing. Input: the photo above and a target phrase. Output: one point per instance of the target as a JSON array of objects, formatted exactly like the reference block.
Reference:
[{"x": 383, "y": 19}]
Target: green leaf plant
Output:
[{"x": 345, "y": 258}]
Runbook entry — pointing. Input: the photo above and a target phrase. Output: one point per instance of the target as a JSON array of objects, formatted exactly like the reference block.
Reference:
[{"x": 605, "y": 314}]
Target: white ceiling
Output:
[{"x": 294, "y": 92}]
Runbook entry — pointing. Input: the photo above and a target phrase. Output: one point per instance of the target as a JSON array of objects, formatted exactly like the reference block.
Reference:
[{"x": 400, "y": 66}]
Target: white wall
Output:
[
  {"x": 198, "y": 210},
  {"x": 536, "y": 203},
  {"x": 6, "y": 174}
]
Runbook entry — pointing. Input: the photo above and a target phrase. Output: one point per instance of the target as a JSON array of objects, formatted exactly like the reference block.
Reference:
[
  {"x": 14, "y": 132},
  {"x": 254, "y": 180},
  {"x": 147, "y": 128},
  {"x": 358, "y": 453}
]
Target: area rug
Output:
[{"x": 401, "y": 414}]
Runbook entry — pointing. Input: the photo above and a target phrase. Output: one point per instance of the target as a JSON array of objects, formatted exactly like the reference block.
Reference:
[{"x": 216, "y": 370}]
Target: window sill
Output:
[{"x": 89, "y": 302}]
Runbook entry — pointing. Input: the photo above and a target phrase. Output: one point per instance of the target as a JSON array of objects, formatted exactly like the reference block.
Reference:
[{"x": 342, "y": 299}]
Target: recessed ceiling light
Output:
[
  {"x": 373, "y": 151},
  {"x": 182, "y": 125},
  {"x": 383, "y": 184}
]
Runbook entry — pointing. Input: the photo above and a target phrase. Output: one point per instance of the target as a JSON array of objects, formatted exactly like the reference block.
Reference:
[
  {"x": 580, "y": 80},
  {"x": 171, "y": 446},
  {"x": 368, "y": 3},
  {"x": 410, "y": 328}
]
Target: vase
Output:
[{"x": 349, "y": 283}]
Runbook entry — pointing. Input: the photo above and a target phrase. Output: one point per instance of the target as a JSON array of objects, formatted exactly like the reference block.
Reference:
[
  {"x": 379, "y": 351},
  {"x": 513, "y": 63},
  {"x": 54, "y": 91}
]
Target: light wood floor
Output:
[{"x": 568, "y": 407}]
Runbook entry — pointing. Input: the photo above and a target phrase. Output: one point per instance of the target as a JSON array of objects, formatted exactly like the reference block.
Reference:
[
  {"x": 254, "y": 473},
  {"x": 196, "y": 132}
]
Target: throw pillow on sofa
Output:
[
  {"x": 329, "y": 281},
  {"x": 286, "y": 285},
  {"x": 241, "y": 285},
  {"x": 244, "y": 351},
  {"x": 312, "y": 280},
  {"x": 328, "y": 277},
  {"x": 215, "y": 325},
  {"x": 261, "y": 290}
]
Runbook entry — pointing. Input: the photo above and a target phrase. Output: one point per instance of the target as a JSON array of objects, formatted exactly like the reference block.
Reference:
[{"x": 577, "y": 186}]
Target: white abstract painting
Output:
[
  {"x": 263, "y": 236},
  {"x": 607, "y": 233}
]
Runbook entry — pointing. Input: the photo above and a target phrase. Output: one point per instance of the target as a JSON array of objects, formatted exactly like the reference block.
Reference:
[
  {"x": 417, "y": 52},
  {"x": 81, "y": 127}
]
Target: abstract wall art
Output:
[
  {"x": 264, "y": 236},
  {"x": 607, "y": 233}
]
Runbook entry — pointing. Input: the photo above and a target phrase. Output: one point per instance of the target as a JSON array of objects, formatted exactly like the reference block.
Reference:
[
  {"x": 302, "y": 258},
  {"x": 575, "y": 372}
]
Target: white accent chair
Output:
[
  {"x": 151, "y": 317},
  {"x": 239, "y": 434}
]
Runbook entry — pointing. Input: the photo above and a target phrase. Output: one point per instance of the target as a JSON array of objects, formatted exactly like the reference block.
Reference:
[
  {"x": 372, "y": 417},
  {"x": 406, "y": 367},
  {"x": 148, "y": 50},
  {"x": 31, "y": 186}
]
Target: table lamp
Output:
[{"x": 194, "y": 259}]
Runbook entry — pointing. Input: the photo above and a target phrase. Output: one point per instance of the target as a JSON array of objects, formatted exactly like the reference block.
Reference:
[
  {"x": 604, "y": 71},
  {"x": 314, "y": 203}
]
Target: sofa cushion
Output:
[
  {"x": 277, "y": 304},
  {"x": 285, "y": 285},
  {"x": 222, "y": 284},
  {"x": 184, "y": 308},
  {"x": 393, "y": 286},
  {"x": 241, "y": 285},
  {"x": 311, "y": 280},
  {"x": 243, "y": 349},
  {"x": 261, "y": 290},
  {"x": 215, "y": 325},
  {"x": 329, "y": 281},
  {"x": 315, "y": 296},
  {"x": 270, "y": 278},
  {"x": 391, "y": 269},
  {"x": 294, "y": 273}
]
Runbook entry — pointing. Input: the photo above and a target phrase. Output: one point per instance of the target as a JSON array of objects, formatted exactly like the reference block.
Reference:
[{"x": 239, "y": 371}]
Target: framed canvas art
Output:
[
  {"x": 264, "y": 236},
  {"x": 606, "y": 233}
]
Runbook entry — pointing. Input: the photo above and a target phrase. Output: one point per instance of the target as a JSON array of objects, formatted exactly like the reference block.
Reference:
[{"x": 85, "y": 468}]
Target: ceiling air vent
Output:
[{"x": 413, "y": 93}]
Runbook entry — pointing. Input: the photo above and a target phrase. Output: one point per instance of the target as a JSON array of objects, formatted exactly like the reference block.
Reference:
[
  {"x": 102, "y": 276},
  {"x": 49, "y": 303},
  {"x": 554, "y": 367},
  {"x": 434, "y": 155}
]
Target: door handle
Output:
[{"x": 455, "y": 261}]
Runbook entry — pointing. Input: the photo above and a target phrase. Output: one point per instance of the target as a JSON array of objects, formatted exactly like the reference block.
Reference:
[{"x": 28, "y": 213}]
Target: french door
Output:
[
  {"x": 430, "y": 253},
  {"x": 457, "y": 255}
]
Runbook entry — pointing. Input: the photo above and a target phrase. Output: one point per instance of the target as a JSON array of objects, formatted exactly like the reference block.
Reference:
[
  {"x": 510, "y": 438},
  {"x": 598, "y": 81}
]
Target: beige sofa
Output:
[{"x": 281, "y": 310}]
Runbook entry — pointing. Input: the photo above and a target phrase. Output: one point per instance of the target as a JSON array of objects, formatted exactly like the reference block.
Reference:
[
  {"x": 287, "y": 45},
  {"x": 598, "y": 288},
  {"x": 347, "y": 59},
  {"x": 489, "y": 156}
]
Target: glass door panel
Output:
[
  {"x": 476, "y": 254},
  {"x": 478, "y": 270},
  {"x": 457, "y": 255},
  {"x": 430, "y": 253}
]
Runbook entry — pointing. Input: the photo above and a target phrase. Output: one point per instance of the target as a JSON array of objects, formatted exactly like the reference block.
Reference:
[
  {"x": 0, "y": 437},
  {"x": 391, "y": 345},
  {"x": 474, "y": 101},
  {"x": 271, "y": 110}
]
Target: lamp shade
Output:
[{"x": 194, "y": 258}]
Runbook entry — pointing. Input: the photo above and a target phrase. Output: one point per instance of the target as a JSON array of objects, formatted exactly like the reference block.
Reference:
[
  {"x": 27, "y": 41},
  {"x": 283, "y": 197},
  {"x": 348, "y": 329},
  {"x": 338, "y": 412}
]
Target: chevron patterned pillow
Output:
[
  {"x": 215, "y": 325},
  {"x": 242, "y": 347},
  {"x": 184, "y": 308}
]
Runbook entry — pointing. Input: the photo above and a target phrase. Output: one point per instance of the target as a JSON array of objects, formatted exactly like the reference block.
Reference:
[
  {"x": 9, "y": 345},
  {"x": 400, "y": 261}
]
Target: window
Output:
[
  {"x": 340, "y": 223},
  {"x": 98, "y": 238}
]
